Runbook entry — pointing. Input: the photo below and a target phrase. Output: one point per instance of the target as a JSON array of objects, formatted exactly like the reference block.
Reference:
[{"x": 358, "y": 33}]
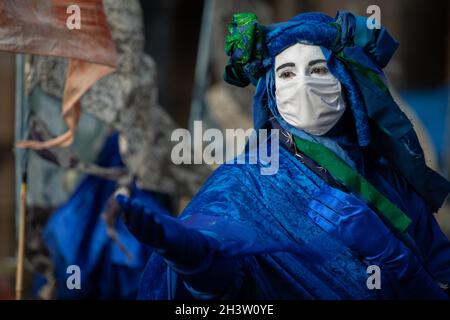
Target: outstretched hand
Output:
[
  {"x": 142, "y": 222},
  {"x": 185, "y": 249}
]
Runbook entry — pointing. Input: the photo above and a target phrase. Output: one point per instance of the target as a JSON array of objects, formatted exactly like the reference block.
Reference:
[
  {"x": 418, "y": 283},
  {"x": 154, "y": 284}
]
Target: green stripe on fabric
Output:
[
  {"x": 371, "y": 75},
  {"x": 354, "y": 182}
]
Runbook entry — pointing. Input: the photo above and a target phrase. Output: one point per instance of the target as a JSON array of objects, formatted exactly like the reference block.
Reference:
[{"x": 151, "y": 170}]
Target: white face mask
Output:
[{"x": 308, "y": 96}]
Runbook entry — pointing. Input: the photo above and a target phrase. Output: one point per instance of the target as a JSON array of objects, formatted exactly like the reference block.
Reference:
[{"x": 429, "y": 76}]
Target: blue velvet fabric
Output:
[
  {"x": 76, "y": 235},
  {"x": 308, "y": 28},
  {"x": 274, "y": 207},
  {"x": 371, "y": 47}
]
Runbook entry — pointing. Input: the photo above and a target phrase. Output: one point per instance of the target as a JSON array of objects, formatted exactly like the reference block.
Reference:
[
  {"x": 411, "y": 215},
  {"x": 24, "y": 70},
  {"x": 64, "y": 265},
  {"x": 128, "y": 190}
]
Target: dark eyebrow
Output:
[
  {"x": 313, "y": 62},
  {"x": 285, "y": 65}
]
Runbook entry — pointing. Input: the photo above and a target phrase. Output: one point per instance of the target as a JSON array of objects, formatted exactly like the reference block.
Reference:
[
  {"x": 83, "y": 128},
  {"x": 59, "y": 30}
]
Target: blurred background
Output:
[{"x": 185, "y": 41}]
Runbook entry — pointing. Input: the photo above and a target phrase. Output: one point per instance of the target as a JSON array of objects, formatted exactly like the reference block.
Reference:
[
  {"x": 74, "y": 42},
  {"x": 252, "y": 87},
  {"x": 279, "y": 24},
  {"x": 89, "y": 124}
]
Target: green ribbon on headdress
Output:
[{"x": 246, "y": 48}]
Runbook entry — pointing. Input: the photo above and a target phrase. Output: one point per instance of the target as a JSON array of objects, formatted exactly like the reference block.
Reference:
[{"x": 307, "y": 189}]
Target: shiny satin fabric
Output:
[
  {"x": 275, "y": 208},
  {"x": 39, "y": 27}
]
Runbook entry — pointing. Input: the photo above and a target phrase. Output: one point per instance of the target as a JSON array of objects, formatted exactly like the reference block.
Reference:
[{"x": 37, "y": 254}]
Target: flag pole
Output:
[{"x": 21, "y": 172}]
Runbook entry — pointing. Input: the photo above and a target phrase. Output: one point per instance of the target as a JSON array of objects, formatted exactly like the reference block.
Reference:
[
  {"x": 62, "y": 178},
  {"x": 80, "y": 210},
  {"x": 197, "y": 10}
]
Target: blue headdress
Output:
[{"x": 356, "y": 56}]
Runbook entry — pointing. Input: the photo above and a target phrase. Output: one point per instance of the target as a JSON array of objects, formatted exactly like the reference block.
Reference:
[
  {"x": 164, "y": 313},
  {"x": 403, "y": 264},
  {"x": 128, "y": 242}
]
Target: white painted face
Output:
[
  {"x": 300, "y": 59},
  {"x": 308, "y": 96}
]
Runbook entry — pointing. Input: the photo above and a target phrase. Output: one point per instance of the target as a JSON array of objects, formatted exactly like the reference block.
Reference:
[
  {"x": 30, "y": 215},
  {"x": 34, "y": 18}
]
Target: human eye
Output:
[
  {"x": 286, "y": 75},
  {"x": 320, "y": 70}
]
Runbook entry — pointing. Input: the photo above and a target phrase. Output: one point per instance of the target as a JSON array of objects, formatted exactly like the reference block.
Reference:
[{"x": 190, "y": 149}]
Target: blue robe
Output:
[
  {"x": 270, "y": 211},
  {"x": 274, "y": 207}
]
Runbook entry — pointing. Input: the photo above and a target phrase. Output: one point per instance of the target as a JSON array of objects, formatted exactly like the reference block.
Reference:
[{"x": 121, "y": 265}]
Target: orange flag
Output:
[{"x": 75, "y": 29}]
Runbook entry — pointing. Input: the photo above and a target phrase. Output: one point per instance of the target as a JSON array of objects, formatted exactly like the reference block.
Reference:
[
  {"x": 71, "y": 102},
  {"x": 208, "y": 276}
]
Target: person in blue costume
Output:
[
  {"x": 352, "y": 189},
  {"x": 77, "y": 235}
]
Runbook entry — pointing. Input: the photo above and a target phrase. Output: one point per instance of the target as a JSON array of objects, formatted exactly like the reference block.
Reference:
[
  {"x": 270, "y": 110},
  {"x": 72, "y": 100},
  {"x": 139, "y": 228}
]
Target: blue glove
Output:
[
  {"x": 197, "y": 257},
  {"x": 184, "y": 248},
  {"x": 351, "y": 221}
]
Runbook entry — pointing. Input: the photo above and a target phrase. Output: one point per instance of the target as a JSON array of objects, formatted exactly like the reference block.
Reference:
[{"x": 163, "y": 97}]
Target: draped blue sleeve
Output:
[{"x": 289, "y": 257}]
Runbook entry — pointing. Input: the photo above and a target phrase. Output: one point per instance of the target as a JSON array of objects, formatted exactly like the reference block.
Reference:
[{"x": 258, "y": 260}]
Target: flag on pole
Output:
[{"x": 77, "y": 30}]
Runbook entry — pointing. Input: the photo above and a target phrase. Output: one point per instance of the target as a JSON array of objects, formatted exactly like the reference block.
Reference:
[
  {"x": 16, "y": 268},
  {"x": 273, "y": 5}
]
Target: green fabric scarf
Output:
[{"x": 356, "y": 183}]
